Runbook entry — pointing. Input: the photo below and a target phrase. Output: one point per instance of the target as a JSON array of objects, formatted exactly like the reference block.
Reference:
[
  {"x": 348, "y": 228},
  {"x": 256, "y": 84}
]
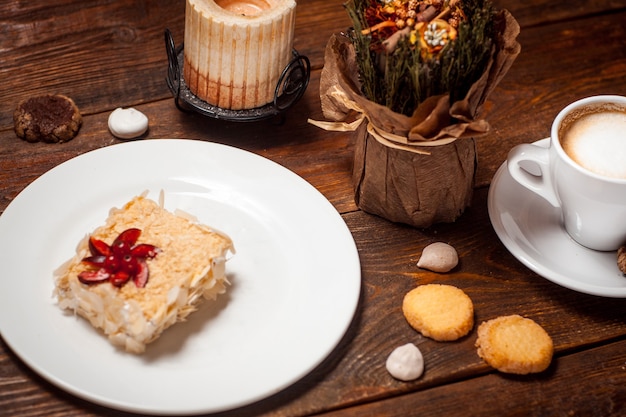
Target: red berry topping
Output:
[
  {"x": 98, "y": 247},
  {"x": 120, "y": 262},
  {"x": 128, "y": 236},
  {"x": 129, "y": 264},
  {"x": 94, "y": 276},
  {"x": 145, "y": 251},
  {"x": 95, "y": 260},
  {"x": 120, "y": 248},
  {"x": 141, "y": 276},
  {"x": 119, "y": 278}
]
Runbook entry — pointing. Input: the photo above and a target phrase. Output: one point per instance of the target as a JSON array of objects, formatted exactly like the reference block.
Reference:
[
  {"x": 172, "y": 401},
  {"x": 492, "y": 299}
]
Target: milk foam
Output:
[{"x": 597, "y": 142}]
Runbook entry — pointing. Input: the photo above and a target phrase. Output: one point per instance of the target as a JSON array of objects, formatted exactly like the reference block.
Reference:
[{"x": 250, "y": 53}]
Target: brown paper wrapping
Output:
[
  {"x": 416, "y": 169},
  {"x": 413, "y": 188}
]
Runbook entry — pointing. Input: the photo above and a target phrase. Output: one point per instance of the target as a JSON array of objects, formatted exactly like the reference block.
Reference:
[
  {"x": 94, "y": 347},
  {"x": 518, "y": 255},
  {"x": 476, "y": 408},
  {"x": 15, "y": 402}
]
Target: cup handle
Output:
[{"x": 539, "y": 184}]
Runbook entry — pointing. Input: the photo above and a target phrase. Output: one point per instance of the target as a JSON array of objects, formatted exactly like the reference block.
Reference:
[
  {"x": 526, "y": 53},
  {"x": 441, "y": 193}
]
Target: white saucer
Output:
[{"x": 531, "y": 230}]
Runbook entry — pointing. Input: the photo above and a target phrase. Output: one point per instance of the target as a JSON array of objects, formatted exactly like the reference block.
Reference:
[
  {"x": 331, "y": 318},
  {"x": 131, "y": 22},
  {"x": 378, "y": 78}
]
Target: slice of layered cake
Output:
[{"x": 142, "y": 271}]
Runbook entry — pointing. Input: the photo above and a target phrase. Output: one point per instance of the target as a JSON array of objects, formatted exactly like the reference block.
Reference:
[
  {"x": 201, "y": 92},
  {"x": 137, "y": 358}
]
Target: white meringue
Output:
[
  {"x": 127, "y": 123},
  {"x": 406, "y": 362},
  {"x": 438, "y": 257}
]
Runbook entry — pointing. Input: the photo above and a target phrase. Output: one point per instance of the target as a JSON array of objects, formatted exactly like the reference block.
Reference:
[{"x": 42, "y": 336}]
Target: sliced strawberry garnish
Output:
[
  {"x": 129, "y": 264},
  {"x": 144, "y": 250},
  {"x": 128, "y": 236},
  {"x": 98, "y": 247},
  {"x": 119, "y": 262},
  {"x": 95, "y": 260},
  {"x": 119, "y": 278},
  {"x": 112, "y": 263},
  {"x": 94, "y": 276},
  {"x": 141, "y": 276},
  {"x": 120, "y": 248}
]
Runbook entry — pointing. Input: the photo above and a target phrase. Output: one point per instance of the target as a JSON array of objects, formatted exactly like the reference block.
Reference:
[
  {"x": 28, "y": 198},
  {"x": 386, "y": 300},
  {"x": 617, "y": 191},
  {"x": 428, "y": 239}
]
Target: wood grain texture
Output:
[
  {"x": 575, "y": 386},
  {"x": 111, "y": 54},
  {"x": 100, "y": 54}
]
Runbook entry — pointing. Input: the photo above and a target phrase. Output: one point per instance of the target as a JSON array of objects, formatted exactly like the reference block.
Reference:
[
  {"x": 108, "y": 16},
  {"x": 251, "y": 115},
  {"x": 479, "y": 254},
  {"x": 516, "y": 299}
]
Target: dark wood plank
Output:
[
  {"x": 109, "y": 55},
  {"x": 79, "y": 48},
  {"x": 529, "y": 96},
  {"x": 101, "y": 54},
  {"x": 543, "y": 12},
  {"x": 520, "y": 110},
  {"x": 106, "y": 55},
  {"x": 496, "y": 282},
  {"x": 324, "y": 159},
  {"x": 574, "y": 386}
]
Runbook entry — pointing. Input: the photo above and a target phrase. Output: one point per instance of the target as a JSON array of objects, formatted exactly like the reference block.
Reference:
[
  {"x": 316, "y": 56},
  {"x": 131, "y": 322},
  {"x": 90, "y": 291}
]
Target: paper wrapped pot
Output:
[{"x": 416, "y": 169}]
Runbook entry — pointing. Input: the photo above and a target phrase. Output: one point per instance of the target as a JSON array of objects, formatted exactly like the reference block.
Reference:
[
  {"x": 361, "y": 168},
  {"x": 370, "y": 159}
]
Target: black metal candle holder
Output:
[{"x": 291, "y": 85}]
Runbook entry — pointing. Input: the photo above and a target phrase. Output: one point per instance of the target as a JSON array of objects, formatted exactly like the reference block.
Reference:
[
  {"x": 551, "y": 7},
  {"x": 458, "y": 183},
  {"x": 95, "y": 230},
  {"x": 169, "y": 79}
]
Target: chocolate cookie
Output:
[{"x": 48, "y": 118}]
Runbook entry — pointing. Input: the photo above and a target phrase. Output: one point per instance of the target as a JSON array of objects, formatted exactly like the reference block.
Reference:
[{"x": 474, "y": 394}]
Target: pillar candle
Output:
[{"x": 236, "y": 50}]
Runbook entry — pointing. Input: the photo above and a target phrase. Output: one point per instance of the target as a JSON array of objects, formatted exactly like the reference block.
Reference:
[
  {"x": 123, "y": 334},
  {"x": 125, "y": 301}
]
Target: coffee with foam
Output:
[
  {"x": 595, "y": 138},
  {"x": 583, "y": 170}
]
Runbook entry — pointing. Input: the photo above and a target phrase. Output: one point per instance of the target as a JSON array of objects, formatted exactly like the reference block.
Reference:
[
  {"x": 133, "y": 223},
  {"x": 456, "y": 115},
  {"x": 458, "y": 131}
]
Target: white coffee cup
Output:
[{"x": 591, "y": 193}]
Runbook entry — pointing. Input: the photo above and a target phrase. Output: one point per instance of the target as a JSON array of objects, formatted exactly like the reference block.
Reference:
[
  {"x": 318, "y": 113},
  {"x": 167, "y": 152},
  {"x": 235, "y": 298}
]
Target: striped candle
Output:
[{"x": 236, "y": 50}]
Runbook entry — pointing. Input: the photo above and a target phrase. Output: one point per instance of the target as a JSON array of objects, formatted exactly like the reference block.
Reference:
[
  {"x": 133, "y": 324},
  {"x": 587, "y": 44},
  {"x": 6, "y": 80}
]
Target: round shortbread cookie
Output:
[
  {"x": 48, "y": 118},
  {"x": 441, "y": 312},
  {"x": 514, "y": 344}
]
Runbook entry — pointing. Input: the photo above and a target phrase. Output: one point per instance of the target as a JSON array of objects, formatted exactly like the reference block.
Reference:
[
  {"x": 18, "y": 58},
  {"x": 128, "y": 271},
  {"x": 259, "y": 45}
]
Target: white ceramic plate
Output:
[
  {"x": 295, "y": 278},
  {"x": 532, "y": 231}
]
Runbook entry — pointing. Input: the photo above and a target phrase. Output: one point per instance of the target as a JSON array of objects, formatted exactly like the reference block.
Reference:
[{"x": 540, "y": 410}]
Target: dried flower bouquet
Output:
[{"x": 410, "y": 78}]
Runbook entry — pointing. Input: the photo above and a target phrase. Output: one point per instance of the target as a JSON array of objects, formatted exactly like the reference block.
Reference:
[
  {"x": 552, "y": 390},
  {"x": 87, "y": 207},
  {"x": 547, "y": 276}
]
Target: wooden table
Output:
[{"x": 111, "y": 54}]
